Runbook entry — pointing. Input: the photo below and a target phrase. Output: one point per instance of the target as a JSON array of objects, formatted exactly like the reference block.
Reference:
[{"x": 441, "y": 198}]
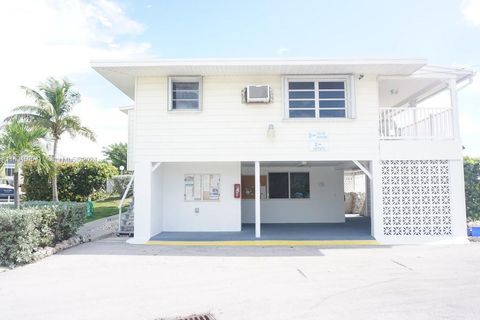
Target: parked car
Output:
[{"x": 7, "y": 192}]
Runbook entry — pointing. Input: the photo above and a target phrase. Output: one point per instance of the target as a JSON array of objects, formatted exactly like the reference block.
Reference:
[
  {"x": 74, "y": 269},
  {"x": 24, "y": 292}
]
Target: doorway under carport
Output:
[{"x": 302, "y": 200}]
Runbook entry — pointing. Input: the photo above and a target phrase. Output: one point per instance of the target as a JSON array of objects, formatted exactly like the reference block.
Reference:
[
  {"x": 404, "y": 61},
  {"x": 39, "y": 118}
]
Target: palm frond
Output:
[
  {"x": 54, "y": 100},
  {"x": 35, "y": 95},
  {"x": 26, "y": 117},
  {"x": 74, "y": 127},
  {"x": 18, "y": 140},
  {"x": 44, "y": 163}
]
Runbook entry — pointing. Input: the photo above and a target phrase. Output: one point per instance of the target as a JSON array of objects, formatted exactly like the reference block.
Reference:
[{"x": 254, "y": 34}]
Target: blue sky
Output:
[{"x": 447, "y": 32}]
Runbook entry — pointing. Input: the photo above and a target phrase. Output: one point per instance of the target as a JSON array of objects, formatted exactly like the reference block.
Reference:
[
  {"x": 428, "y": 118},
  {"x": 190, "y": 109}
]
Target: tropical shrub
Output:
[
  {"x": 62, "y": 218},
  {"x": 471, "y": 167},
  {"x": 35, "y": 225},
  {"x": 76, "y": 181},
  {"x": 19, "y": 235},
  {"x": 120, "y": 184}
]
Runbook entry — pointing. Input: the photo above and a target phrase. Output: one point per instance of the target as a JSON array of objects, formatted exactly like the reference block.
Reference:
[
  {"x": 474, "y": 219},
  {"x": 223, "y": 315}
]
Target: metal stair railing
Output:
[{"x": 120, "y": 205}]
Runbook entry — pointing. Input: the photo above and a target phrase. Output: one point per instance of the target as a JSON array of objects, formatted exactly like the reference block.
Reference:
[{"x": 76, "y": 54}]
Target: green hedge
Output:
[
  {"x": 76, "y": 181},
  {"x": 19, "y": 235},
  {"x": 62, "y": 218},
  {"x": 471, "y": 168},
  {"x": 34, "y": 225}
]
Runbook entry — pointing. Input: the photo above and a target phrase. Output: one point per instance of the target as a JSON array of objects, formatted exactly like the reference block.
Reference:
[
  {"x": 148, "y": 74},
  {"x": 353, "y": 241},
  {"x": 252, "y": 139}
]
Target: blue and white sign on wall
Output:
[{"x": 318, "y": 140}]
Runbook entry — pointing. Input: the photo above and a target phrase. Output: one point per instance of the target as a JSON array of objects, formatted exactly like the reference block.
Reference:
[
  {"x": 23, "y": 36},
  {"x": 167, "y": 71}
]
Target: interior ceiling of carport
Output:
[{"x": 398, "y": 91}]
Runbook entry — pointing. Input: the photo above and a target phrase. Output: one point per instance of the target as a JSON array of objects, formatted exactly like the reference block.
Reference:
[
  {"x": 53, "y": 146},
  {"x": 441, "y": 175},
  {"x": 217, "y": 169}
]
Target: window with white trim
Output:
[
  {"x": 317, "y": 97},
  {"x": 184, "y": 93}
]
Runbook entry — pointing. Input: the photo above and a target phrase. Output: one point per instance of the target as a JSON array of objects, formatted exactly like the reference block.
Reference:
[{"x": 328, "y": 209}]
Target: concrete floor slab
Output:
[
  {"x": 110, "y": 279},
  {"x": 354, "y": 228}
]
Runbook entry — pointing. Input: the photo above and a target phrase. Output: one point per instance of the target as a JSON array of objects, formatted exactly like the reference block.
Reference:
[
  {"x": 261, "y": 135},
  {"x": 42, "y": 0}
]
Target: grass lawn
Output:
[{"x": 106, "y": 207}]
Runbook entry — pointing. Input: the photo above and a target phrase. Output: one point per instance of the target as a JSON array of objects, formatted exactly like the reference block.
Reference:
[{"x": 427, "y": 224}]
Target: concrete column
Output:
[
  {"x": 143, "y": 202},
  {"x": 452, "y": 86},
  {"x": 376, "y": 200},
  {"x": 257, "y": 199},
  {"x": 458, "y": 206}
]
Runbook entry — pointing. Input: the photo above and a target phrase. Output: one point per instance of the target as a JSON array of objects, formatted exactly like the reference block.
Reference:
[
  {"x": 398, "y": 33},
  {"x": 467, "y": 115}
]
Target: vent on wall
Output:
[{"x": 257, "y": 93}]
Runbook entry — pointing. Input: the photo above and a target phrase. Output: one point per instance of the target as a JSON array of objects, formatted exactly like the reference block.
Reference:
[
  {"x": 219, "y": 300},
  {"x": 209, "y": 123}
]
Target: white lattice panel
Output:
[
  {"x": 416, "y": 198},
  {"x": 348, "y": 183}
]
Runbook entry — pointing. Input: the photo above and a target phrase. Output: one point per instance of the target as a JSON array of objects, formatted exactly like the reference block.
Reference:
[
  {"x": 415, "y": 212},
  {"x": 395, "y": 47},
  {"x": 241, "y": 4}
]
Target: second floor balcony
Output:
[{"x": 416, "y": 123}]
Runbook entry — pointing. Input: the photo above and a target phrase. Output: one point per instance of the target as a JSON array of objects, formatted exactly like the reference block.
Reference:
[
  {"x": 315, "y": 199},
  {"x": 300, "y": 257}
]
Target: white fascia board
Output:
[
  {"x": 125, "y": 109},
  {"x": 253, "y": 61},
  {"x": 435, "y": 72}
]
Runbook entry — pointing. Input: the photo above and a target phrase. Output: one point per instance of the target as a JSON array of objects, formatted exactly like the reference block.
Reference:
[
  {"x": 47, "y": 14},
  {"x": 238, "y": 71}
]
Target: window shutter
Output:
[{"x": 351, "y": 105}]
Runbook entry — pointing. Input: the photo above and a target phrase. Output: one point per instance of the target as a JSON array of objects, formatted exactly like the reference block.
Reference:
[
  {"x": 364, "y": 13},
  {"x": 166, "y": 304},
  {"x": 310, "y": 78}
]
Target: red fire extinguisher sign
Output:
[{"x": 236, "y": 190}]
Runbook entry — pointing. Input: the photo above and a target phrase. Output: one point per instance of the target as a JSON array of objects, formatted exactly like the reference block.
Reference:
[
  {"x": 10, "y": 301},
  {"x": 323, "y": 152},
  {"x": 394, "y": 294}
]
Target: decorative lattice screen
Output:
[
  {"x": 348, "y": 184},
  {"x": 416, "y": 198}
]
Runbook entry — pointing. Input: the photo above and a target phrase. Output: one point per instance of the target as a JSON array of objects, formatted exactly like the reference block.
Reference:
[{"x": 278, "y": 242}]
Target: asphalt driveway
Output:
[{"x": 109, "y": 279}]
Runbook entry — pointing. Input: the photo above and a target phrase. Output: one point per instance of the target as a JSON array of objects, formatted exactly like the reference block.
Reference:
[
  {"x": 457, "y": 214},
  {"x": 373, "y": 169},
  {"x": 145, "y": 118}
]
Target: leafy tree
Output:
[
  {"x": 18, "y": 141},
  {"x": 117, "y": 154},
  {"x": 471, "y": 168},
  {"x": 52, "y": 111}
]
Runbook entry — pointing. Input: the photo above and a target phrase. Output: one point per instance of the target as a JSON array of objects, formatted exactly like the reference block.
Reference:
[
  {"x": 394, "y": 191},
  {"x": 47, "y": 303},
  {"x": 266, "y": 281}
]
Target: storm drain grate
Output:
[{"x": 205, "y": 316}]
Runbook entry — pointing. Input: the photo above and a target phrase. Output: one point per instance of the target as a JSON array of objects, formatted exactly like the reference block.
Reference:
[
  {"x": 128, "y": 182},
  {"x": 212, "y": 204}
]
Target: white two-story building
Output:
[{"x": 242, "y": 147}]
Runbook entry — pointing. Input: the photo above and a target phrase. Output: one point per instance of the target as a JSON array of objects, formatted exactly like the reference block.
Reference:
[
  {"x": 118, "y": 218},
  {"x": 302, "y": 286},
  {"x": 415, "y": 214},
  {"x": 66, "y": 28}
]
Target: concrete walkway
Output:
[
  {"x": 109, "y": 279},
  {"x": 100, "y": 228}
]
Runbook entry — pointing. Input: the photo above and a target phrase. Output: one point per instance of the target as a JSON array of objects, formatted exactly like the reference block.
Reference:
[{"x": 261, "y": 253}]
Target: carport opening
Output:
[{"x": 308, "y": 200}]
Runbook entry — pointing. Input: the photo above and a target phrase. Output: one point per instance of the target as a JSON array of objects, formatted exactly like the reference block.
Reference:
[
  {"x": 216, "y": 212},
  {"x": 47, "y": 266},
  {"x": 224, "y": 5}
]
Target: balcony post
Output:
[
  {"x": 413, "y": 105},
  {"x": 452, "y": 87},
  {"x": 257, "y": 200}
]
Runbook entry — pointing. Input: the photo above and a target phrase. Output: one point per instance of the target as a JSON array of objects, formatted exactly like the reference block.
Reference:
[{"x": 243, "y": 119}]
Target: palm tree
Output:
[
  {"x": 18, "y": 141},
  {"x": 54, "y": 102}
]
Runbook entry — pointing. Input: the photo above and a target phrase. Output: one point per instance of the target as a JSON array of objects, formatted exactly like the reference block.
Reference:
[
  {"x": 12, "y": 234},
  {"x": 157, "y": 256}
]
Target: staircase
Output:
[
  {"x": 126, "y": 218},
  {"x": 126, "y": 221}
]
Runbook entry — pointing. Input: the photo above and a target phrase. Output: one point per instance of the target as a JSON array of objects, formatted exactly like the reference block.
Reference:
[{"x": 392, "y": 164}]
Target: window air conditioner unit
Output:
[{"x": 260, "y": 93}]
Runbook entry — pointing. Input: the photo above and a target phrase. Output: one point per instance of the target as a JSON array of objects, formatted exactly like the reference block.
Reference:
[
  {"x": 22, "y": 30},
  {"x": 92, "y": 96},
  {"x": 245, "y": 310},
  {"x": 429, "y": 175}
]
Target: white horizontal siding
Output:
[{"x": 228, "y": 130}]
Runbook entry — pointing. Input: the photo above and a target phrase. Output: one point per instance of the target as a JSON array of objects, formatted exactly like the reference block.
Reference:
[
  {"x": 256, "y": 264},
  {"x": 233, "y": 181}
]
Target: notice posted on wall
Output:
[
  {"x": 202, "y": 187},
  {"x": 189, "y": 187},
  {"x": 318, "y": 141}
]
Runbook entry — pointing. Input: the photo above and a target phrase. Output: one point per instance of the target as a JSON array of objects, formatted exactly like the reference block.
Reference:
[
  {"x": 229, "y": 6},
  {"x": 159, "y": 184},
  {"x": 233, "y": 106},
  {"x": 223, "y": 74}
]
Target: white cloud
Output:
[
  {"x": 281, "y": 51},
  {"x": 59, "y": 38},
  {"x": 471, "y": 11}
]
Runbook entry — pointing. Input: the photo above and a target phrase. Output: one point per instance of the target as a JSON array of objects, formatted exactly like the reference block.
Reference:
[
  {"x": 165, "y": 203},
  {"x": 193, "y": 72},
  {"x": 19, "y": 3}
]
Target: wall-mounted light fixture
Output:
[
  {"x": 393, "y": 92},
  {"x": 271, "y": 131}
]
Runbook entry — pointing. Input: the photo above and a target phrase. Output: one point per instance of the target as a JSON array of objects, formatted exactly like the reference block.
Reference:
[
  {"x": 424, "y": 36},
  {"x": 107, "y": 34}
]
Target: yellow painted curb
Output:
[{"x": 267, "y": 243}]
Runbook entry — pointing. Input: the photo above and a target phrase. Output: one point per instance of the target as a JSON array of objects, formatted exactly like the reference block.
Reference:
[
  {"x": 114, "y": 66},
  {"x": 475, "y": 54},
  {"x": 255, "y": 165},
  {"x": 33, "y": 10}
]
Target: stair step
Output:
[{"x": 127, "y": 219}]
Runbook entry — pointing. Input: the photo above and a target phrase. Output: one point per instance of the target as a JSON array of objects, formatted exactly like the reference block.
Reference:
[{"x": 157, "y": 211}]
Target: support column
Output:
[
  {"x": 257, "y": 199},
  {"x": 143, "y": 202},
  {"x": 376, "y": 200},
  {"x": 458, "y": 205},
  {"x": 452, "y": 86}
]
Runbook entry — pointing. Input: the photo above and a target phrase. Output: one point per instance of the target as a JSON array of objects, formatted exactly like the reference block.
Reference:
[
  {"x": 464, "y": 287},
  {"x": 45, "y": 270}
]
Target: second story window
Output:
[
  {"x": 317, "y": 97},
  {"x": 185, "y": 93}
]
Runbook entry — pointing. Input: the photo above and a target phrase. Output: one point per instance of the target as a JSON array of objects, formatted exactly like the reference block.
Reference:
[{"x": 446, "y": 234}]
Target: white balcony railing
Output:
[{"x": 416, "y": 123}]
